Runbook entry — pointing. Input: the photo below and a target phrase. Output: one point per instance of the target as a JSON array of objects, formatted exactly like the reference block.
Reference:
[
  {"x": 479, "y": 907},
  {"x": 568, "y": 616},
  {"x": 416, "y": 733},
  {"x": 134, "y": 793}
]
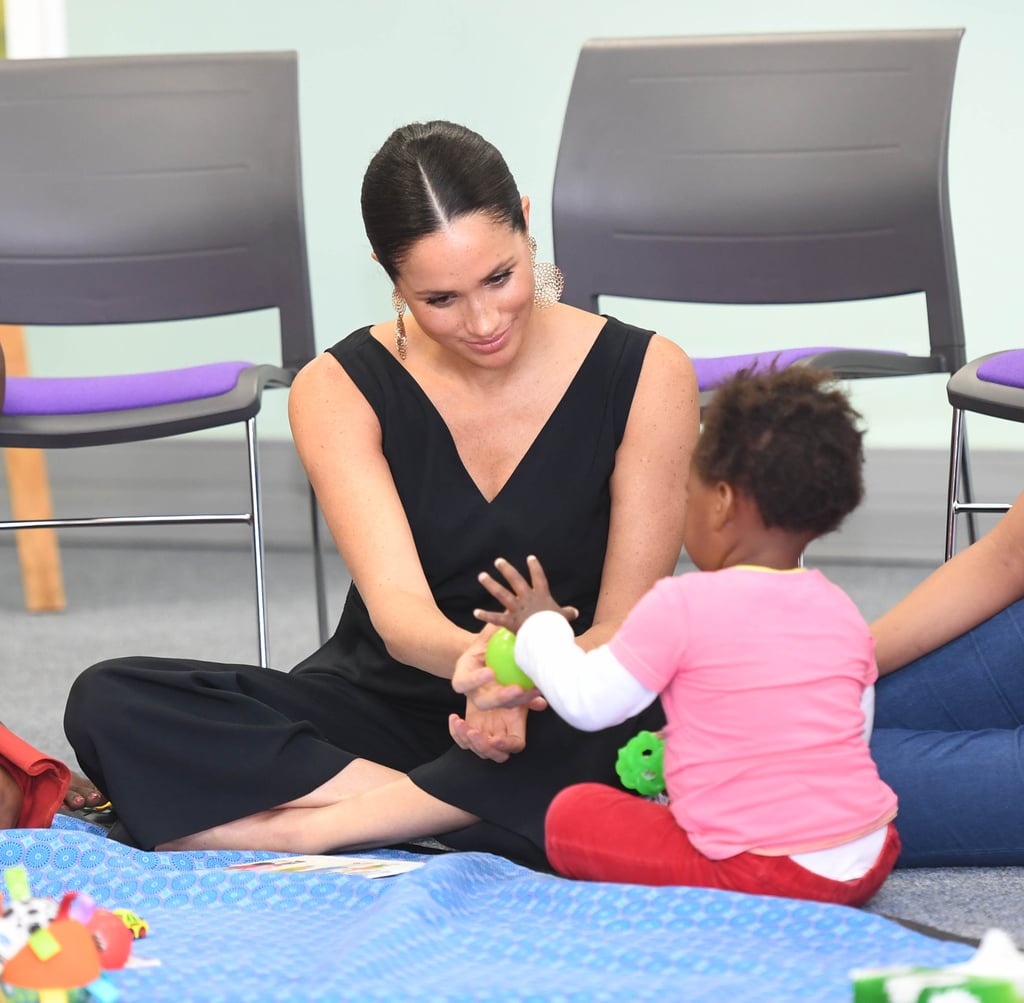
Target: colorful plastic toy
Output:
[
  {"x": 138, "y": 926},
  {"x": 501, "y": 656},
  {"x": 52, "y": 951},
  {"x": 640, "y": 764}
]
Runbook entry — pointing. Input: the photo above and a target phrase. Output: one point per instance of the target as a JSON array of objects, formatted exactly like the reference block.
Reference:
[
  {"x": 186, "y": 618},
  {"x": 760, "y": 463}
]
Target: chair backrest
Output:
[
  {"x": 762, "y": 169},
  {"x": 150, "y": 188}
]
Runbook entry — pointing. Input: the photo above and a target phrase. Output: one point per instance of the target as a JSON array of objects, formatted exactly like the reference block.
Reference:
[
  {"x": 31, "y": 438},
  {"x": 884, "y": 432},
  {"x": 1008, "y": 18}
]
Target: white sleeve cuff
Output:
[
  {"x": 867, "y": 704},
  {"x": 589, "y": 689}
]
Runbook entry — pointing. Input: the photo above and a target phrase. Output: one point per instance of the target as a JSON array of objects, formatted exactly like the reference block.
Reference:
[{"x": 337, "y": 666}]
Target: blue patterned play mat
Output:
[{"x": 466, "y": 926}]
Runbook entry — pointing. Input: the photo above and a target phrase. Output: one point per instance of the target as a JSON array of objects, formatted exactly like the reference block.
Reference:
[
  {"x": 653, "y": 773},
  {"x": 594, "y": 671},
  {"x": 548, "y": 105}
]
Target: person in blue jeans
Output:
[{"x": 949, "y": 725}]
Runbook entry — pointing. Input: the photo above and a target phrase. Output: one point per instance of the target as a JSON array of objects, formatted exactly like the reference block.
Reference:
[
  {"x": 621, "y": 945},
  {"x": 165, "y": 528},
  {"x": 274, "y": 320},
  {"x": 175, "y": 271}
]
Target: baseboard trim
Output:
[{"x": 902, "y": 519}]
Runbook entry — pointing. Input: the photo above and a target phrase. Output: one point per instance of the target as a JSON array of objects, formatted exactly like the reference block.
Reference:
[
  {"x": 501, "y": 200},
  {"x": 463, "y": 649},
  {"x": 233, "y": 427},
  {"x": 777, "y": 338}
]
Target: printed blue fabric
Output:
[{"x": 466, "y": 926}]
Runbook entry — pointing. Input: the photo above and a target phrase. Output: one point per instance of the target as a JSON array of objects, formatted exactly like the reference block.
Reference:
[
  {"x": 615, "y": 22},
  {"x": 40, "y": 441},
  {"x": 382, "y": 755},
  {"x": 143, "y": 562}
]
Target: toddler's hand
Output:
[{"x": 521, "y": 598}]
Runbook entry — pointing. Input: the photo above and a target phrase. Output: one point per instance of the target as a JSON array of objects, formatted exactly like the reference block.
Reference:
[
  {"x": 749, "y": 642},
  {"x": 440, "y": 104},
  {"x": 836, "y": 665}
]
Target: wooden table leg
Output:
[{"x": 29, "y": 489}]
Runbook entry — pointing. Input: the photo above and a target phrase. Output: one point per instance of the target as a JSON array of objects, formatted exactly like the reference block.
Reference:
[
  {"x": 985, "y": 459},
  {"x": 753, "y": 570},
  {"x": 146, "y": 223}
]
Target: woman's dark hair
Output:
[
  {"x": 790, "y": 440},
  {"x": 426, "y": 175}
]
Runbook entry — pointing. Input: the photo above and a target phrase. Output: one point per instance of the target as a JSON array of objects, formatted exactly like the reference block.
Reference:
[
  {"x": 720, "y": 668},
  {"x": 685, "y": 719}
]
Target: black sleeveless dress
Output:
[{"x": 180, "y": 746}]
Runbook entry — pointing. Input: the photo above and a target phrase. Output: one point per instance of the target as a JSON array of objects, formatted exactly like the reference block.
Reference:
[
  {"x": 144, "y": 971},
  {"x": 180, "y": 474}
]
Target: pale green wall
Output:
[{"x": 505, "y": 69}]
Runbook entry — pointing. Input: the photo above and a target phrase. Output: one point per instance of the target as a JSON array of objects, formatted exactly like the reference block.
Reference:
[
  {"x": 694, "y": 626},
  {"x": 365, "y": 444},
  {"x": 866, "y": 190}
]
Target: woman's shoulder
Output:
[
  {"x": 340, "y": 384},
  {"x": 351, "y": 344},
  {"x": 362, "y": 361},
  {"x": 615, "y": 328},
  {"x": 365, "y": 359},
  {"x": 664, "y": 348},
  {"x": 666, "y": 368},
  {"x": 327, "y": 371},
  {"x": 629, "y": 358}
]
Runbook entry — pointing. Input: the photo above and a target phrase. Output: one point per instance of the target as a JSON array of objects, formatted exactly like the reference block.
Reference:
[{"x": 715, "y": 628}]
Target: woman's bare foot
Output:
[
  {"x": 10, "y": 800},
  {"x": 83, "y": 794}
]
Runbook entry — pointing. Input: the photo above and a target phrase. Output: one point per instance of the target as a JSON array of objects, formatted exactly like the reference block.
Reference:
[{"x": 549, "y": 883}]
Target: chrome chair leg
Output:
[
  {"x": 318, "y": 568},
  {"x": 966, "y": 488},
  {"x": 952, "y": 499},
  {"x": 256, "y": 524}
]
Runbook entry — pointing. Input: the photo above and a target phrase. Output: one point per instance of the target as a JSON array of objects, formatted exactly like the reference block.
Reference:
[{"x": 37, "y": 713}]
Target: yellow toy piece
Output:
[{"x": 138, "y": 926}]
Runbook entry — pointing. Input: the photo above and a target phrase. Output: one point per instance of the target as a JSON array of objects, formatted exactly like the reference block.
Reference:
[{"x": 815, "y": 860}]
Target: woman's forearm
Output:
[
  {"x": 976, "y": 584},
  {"x": 598, "y": 634},
  {"x": 417, "y": 633}
]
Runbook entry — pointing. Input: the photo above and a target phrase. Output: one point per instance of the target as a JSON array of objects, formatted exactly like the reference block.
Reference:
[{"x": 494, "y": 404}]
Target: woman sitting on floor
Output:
[{"x": 485, "y": 419}]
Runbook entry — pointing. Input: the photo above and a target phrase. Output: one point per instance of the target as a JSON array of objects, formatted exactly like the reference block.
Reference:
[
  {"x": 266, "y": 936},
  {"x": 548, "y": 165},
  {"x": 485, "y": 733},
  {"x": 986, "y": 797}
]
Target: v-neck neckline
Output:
[{"x": 530, "y": 449}]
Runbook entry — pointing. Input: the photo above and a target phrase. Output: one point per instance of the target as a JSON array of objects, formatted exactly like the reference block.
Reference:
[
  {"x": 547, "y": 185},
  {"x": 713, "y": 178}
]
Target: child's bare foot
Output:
[
  {"x": 83, "y": 794},
  {"x": 10, "y": 800}
]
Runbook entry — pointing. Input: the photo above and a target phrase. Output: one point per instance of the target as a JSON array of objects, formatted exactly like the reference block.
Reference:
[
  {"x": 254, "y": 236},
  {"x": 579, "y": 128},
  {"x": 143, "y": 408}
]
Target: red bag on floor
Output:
[{"x": 43, "y": 780}]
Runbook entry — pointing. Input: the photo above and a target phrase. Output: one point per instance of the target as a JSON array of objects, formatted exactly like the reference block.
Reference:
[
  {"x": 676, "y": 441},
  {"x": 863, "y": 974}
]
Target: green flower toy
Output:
[{"x": 640, "y": 764}]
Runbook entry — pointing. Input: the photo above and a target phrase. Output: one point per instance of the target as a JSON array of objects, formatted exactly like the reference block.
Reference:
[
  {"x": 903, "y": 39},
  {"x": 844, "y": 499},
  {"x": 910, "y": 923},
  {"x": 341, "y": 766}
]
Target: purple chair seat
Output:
[
  {"x": 712, "y": 372},
  {"x": 1004, "y": 368},
  {"x": 42, "y": 395}
]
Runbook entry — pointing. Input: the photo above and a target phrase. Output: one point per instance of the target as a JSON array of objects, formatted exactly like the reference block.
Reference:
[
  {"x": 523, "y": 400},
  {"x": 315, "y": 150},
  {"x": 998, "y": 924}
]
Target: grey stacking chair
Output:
[
  {"x": 992, "y": 385},
  {"x": 766, "y": 169},
  {"x": 146, "y": 189}
]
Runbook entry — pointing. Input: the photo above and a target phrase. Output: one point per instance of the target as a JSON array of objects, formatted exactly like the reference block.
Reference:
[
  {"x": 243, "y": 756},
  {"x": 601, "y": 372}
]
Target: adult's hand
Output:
[
  {"x": 495, "y": 723},
  {"x": 475, "y": 680},
  {"x": 491, "y": 734}
]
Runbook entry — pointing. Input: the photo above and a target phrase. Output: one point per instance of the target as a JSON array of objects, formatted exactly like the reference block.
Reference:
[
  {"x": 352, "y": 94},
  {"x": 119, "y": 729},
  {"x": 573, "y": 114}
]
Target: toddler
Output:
[{"x": 765, "y": 671}]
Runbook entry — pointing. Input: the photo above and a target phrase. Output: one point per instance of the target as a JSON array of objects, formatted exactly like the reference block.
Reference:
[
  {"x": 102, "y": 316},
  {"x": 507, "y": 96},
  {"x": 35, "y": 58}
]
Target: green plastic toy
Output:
[
  {"x": 501, "y": 657},
  {"x": 640, "y": 764}
]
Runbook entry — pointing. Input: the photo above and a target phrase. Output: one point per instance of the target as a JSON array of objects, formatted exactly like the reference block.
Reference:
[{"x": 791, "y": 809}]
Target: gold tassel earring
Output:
[
  {"x": 401, "y": 340},
  {"x": 548, "y": 280}
]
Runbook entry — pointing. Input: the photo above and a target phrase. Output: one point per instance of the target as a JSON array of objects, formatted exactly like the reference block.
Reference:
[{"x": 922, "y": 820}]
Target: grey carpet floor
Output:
[{"x": 199, "y": 603}]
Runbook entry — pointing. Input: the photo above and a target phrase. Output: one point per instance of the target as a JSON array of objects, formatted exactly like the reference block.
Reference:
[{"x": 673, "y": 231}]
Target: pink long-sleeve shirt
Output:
[{"x": 761, "y": 675}]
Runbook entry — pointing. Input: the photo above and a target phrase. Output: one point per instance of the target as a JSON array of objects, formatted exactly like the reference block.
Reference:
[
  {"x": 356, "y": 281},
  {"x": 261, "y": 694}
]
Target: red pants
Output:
[
  {"x": 43, "y": 781},
  {"x": 597, "y": 833}
]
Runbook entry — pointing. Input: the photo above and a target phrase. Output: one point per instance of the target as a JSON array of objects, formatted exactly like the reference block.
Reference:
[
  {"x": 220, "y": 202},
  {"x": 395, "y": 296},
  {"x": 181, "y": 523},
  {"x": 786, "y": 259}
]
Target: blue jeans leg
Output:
[
  {"x": 974, "y": 681},
  {"x": 949, "y": 740},
  {"x": 961, "y": 795}
]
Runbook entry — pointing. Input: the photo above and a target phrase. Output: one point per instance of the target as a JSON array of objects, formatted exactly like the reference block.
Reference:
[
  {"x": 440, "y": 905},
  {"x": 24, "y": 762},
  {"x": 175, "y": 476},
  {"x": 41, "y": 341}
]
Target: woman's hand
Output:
[
  {"x": 495, "y": 723},
  {"x": 521, "y": 598},
  {"x": 475, "y": 679},
  {"x": 491, "y": 734}
]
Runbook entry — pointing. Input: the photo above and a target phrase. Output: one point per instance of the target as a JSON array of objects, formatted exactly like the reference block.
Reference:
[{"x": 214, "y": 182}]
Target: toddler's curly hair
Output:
[{"x": 789, "y": 439}]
